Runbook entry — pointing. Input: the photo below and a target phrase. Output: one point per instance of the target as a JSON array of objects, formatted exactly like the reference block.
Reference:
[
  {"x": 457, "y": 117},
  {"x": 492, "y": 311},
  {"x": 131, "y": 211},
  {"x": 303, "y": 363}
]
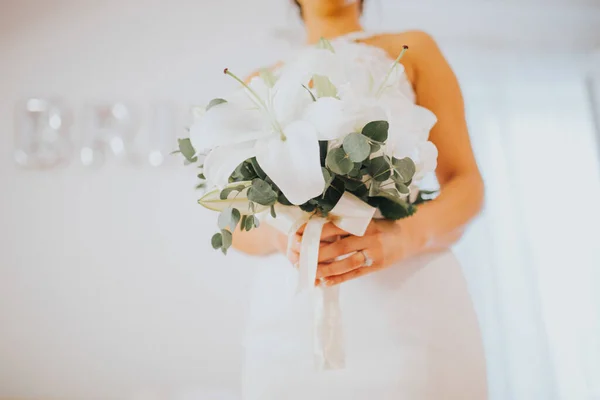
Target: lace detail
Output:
[{"x": 376, "y": 57}]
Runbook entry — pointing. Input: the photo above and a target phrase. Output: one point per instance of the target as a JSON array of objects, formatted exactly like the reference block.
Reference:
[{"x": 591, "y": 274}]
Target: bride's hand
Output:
[{"x": 384, "y": 243}]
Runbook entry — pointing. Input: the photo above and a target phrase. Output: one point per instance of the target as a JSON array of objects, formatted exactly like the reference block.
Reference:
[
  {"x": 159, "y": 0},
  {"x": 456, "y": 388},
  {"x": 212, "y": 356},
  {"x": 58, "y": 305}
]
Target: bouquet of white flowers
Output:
[{"x": 322, "y": 139}]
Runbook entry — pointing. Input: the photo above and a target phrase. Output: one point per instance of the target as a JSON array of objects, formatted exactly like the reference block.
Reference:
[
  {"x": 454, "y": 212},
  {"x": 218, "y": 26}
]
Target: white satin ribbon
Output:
[{"x": 353, "y": 216}]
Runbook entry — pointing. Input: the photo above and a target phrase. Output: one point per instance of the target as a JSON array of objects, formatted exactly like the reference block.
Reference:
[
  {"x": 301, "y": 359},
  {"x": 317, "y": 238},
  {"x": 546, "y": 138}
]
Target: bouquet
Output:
[{"x": 325, "y": 138}]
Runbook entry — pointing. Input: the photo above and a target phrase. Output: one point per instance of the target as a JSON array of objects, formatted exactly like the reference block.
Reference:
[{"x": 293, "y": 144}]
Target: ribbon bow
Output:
[{"x": 350, "y": 214}]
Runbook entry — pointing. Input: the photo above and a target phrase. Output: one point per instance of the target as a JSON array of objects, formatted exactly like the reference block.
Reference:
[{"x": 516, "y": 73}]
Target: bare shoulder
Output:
[{"x": 421, "y": 47}]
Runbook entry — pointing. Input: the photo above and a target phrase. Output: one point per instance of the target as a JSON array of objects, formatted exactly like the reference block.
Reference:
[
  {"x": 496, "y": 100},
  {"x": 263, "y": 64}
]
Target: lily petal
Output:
[
  {"x": 223, "y": 160},
  {"x": 290, "y": 100},
  {"x": 329, "y": 117},
  {"x": 426, "y": 159},
  {"x": 293, "y": 164},
  {"x": 225, "y": 124}
]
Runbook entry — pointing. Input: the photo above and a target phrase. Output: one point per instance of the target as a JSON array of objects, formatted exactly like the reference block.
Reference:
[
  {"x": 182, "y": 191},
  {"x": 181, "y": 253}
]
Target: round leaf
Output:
[
  {"x": 357, "y": 147},
  {"x": 405, "y": 168},
  {"x": 217, "y": 241},
  {"x": 339, "y": 162},
  {"x": 377, "y": 131},
  {"x": 379, "y": 169},
  {"x": 261, "y": 193}
]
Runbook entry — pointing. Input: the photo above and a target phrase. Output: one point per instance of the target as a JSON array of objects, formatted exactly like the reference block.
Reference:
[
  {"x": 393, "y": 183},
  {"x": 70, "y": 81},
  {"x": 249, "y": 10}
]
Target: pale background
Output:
[{"x": 108, "y": 286}]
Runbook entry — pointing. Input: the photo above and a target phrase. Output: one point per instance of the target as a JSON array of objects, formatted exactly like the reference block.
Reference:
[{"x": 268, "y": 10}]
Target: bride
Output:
[{"x": 409, "y": 325}]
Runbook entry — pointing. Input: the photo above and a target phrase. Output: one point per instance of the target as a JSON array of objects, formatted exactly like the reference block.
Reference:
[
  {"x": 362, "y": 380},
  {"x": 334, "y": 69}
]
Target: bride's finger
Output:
[
  {"x": 355, "y": 273},
  {"x": 329, "y": 231},
  {"x": 344, "y": 246},
  {"x": 353, "y": 262}
]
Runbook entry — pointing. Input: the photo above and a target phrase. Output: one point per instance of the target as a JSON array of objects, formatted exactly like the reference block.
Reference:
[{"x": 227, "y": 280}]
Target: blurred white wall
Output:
[{"x": 108, "y": 285}]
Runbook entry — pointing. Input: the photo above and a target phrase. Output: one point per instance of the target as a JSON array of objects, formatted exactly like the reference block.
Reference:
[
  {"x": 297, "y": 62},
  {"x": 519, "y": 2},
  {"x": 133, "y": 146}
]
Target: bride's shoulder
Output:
[{"x": 421, "y": 46}]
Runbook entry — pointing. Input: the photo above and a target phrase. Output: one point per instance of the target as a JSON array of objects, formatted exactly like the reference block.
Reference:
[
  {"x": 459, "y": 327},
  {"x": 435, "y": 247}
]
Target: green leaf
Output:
[
  {"x": 325, "y": 44},
  {"x": 402, "y": 189},
  {"x": 257, "y": 169},
  {"x": 377, "y": 131},
  {"x": 379, "y": 169},
  {"x": 273, "y": 213},
  {"x": 312, "y": 96},
  {"x": 249, "y": 223},
  {"x": 375, "y": 147},
  {"x": 283, "y": 200},
  {"x": 324, "y": 87},
  {"x": 267, "y": 76},
  {"x": 394, "y": 210},
  {"x": 201, "y": 176},
  {"x": 328, "y": 176},
  {"x": 256, "y": 221},
  {"x": 357, "y": 147},
  {"x": 261, "y": 192},
  {"x": 217, "y": 241},
  {"x": 243, "y": 222},
  {"x": 374, "y": 188},
  {"x": 229, "y": 218},
  {"x": 339, "y": 162},
  {"x": 188, "y": 151},
  {"x": 405, "y": 168},
  {"x": 323, "y": 149},
  {"x": 215, "y": 102},
  {"x": 227, "y": 240}
]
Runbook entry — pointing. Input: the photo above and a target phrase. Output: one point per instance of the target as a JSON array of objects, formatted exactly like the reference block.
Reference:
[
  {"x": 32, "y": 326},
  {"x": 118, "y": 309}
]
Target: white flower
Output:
[{"x": 280, "y": 126}]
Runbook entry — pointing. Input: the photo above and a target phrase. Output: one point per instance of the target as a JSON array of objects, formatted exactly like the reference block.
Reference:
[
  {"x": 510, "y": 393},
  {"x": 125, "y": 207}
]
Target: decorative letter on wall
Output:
[{"x": 42, "y": 138}]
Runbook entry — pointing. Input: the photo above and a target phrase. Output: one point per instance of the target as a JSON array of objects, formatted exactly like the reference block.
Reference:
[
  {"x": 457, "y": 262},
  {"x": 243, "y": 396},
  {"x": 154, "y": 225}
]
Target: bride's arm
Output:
[{"x": 441, "y": 222}]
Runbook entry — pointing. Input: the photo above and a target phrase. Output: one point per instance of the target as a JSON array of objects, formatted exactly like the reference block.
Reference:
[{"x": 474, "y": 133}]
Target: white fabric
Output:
[{"x": 410, "y": 330}]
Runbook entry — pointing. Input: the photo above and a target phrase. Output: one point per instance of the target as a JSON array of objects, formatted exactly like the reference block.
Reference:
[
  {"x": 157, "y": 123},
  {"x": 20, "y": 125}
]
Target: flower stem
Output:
[{"x": 394, "y": 65}]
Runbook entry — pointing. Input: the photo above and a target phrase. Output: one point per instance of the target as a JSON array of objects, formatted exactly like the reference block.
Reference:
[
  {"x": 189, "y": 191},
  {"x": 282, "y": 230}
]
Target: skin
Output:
[{"x": 437, "y": 224}]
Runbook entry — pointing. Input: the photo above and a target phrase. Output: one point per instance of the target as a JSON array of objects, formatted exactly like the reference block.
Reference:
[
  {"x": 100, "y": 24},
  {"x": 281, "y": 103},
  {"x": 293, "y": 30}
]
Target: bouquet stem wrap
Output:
[{"x": 353, "y": 216}]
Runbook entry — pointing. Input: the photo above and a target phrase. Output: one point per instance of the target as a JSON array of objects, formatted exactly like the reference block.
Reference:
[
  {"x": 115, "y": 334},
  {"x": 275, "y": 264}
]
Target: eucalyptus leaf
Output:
[
  {"x": 273, "y": 213},
  {"x": 339, "y": 162},
  {"x": 324, "y": 87},
  {"x": 379, "y": 169},
  {"x": 215, "y": 102},
  {"x": 283, "y": 200},
  {"x": 405, "y": 168},
  {"x": 329, "y": 177},
  {"x": 357, "y": 147},
  {"x": 201, "y": 176},
  {"x": 402, "y": 189},
  {"x": 217, "y": 241},
  {"x": 229, "y": 218},
  {"x": 243, "y": 222},
  {"x": 188, "y": 151},
  {"x": 375, "y": 147},
  {"x": 377, "y": 131},
  {"x": 394, "y": 210},
  {"x": 227, "y": 239},
  {"x": 261, "y": 193},
  {"x": 268, "y": 77},
  {"x": 374, "y": 188},
  {"x": 257, "y": 169},
  {"x": 249, "y": 223},
  {"x": 256, "y": 221}
]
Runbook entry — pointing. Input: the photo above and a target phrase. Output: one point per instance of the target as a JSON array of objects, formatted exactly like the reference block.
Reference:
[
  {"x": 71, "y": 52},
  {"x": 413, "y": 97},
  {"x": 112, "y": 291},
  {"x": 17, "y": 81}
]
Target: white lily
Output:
[{"x": 280, "y": 126}]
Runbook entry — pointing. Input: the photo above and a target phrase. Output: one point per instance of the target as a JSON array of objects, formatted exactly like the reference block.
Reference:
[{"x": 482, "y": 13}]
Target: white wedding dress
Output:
[{"x": 410, "y": 331}]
